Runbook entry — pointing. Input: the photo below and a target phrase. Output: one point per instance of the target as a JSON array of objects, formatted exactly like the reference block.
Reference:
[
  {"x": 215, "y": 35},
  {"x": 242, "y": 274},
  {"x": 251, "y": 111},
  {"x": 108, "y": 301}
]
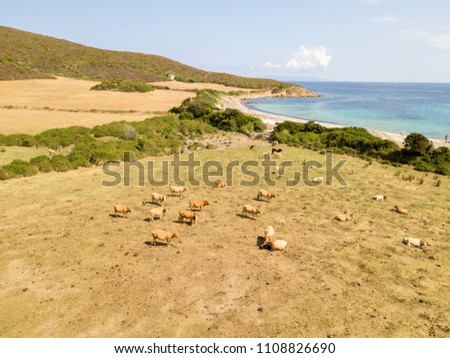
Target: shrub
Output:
[
  {"x": 114, "y": 129},
  {"x": 61, "y": 163},
  {"x": 63, "y": 137},
  {"x": 203, "y": 104},
  {"x": 22, "y": 140},
  {"x": 193, "y": 128},
  {"x": 78, "y": 160},
  {"x": 129, "y": 132},
  {"x": 18, "y": 168},
  {"x": 186, "y": 115},
  {"x": 418, "y": 143},
  {"x": 4, "y": 174},
  {"x": 43, "y": 163},
  {"x": 195, "y": 146},
  {"x": 123, "y": 86},
  {"x": 235, "y": 121}
]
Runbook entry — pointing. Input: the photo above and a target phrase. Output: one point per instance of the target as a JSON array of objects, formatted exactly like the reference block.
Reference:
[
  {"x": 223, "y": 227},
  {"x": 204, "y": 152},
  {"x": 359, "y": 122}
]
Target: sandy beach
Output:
[{"x": 272, "y": 119}]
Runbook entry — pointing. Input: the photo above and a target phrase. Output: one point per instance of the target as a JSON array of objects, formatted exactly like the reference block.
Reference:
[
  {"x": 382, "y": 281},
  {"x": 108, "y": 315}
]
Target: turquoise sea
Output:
[{"x": 389, "y": 107}]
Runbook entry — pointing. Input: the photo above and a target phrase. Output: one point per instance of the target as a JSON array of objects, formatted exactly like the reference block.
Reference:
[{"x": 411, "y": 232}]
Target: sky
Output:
[{"x": 336, "y": 40}]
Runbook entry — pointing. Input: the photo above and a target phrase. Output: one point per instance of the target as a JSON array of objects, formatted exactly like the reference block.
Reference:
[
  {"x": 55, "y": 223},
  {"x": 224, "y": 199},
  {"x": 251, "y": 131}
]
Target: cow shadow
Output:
[
  {"x": 242, "y": 216},
  {"x": 150, "y": 244},
  {"x": 149, "y": 220},
  {"x": 118, "y": 216},
  {"x": 260, "y": 241},
  {"x": 182, "y": 222}
]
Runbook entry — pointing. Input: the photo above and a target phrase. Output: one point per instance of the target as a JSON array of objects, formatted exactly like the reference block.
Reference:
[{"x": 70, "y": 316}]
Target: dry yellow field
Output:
[
  {"x": 70, "y": 269},
  {"x": 183, "y": 86},
  {"x": 32, "y": 106}
]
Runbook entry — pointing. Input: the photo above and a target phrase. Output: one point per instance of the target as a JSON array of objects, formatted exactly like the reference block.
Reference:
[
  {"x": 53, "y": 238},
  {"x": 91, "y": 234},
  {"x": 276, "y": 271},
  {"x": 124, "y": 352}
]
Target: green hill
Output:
[{"x": 25, "y": 55}]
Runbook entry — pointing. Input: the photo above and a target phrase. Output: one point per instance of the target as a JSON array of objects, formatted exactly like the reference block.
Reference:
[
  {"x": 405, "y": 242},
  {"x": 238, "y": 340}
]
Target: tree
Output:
[{"x": 418, "y": 143}]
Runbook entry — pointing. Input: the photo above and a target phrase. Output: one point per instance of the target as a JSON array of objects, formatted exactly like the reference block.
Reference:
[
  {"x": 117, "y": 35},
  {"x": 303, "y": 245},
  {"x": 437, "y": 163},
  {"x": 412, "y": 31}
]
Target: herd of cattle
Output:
[
  {"x": 191, "y": 215},
  {"x": 250, "y": 211}
]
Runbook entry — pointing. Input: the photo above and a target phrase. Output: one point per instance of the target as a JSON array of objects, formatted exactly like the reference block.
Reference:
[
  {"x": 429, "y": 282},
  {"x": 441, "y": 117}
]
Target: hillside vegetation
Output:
[
  {"x": 25, "y": 55},
  {"x": 160, "y": 135},
  {"x": 418, "y": 151}
]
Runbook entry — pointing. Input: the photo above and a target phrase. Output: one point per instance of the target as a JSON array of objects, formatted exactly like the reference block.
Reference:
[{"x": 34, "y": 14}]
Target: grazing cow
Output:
[
  {"x": 279, "y": 170},
  {"x": 52, "y": 152},
  {"x": 344, "y": 217},
  {"x": 121, "y": 209},
  {"x": 189, "y": 215},
  {"x": 400, "y": 210},
  {"x": 249, "y": 210},
  {"x": 275, "y": 245},
  {"x": 379, "y": 197},
  {"x": 276, "y": 150},
  {"x": 266, "y": 155},
  {"x": 268, "y": 233},
  {"x": 252, "y": 146},
  {"x": 198, "y": 204},
  {"x": 262, "y": 193},
  {"x": 274, "y": 143},
  {"x": 220, "y": 184},
  {"x": 178, "y": 190},
  {"x": 157, "y": 213},
  {"x": 276, "y": 155},
  {"x": 410, "y": 241},
  {"x": 317, "y": 180},
  {"x": 156, "y": 198},
  {"x": 164, "y": 236}
]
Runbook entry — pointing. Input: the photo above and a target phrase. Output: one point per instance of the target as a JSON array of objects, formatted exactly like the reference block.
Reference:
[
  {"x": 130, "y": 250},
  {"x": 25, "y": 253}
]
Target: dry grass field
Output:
[
  {"x": 32, "y": 106},
  {"x": 69, "y": 268}
]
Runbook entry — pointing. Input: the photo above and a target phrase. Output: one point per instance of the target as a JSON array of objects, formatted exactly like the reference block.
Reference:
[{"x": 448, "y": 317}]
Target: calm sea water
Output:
[{"x": 389, "y": 107}]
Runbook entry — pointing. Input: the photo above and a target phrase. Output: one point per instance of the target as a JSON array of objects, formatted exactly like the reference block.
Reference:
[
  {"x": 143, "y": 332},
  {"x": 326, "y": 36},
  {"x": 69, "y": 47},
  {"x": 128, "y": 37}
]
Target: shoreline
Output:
[{"x": 272, "y": 119}]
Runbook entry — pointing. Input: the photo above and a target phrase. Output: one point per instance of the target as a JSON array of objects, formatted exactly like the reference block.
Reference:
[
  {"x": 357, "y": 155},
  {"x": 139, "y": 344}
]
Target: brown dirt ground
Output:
[{"x": 70, "y": 269}]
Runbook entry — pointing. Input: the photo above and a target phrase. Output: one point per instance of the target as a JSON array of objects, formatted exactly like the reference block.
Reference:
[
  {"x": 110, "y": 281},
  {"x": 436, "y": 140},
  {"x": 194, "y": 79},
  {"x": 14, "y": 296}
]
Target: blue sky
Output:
[{"x": 342, "y": 40}]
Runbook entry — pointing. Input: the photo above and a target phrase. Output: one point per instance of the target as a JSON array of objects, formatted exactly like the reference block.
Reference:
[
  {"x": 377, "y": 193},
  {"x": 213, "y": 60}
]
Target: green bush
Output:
[
  {"x": 123, "y": 86},
  {"x": 43, "y": 163},
  {"x": 22, "y": 140},
  {"x": 418, "y": 143},
  {"x": 114, "y": 129},
  {"x": 204, "y": 103},
  {"x": 194, "y": 128},
  {"x": 349, "y": 140},
  {"x": 235, "y": 121},
  {"x": 186, "y": 115},
  {"x": 18, "y": 168},
  {"x": 61, "y": 163},
  {"x": 63, "y": 137},
  {"x": 78, "y": 160},
  {"x": 4, "y": 174}
]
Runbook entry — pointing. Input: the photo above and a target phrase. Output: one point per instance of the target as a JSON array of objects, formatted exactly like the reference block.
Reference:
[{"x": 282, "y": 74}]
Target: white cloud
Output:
[
  {"x": 305, "y": 59},
  {"x": 392, "y": 19},
  {"x": 438, "y": 40}
]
